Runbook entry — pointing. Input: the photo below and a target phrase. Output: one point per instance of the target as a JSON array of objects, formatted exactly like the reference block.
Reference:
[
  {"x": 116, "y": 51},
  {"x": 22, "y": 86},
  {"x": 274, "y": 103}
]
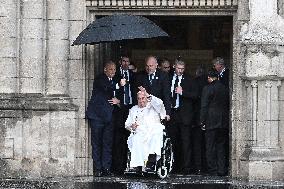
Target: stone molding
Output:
[
  {"x": 37, "y": 102},
  {"x": 37, "y": 136}
]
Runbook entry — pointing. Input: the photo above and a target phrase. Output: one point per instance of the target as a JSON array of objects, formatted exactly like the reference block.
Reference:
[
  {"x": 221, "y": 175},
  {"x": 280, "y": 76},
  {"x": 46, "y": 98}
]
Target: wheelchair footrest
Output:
[{"x": 150, "y": 170}]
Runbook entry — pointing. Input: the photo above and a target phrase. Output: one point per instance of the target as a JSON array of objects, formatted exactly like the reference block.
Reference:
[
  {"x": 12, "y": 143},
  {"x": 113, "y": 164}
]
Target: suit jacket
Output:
[
  {"x": 98, "y": 106},
  {"x": 201, "y": 82},
  {"x": 160, "y": 86},
  {"x": 215, "y": 106},
  {"x": 225, "y": 78},
  {"x": 187, "y": 99},
  {"x": 120, "y": 96}
]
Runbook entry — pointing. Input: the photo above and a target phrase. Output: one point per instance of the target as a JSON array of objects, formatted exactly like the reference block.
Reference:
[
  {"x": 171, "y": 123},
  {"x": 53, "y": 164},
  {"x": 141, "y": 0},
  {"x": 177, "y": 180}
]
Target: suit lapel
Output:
[
  {"x": 183, "y": 79},
  {"x": 155, "y": 79},
  {"x": 146, "y": 80}
]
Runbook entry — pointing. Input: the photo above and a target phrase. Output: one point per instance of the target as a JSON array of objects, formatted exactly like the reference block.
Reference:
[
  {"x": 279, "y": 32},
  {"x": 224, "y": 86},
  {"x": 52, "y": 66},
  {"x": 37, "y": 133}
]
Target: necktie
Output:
[
  {"x": 174, "y": 93},
  {"x": 125, "y": 75},
  {"x": 110, "y": 80},
  {"x": 126, "y": 90},
  {"x": 151, "y": 78},
  {"x": 112, "y": 87}
]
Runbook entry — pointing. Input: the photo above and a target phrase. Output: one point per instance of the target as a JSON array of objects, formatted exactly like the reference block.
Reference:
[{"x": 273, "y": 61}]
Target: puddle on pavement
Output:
[
  {"x": 137, "y": 185},
  {"x": 126, "y": 183}
]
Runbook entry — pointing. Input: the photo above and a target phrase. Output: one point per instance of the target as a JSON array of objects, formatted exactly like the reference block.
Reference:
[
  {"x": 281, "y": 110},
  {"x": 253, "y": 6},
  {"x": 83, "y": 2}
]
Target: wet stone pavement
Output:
[{"x": 130, "y": 182}]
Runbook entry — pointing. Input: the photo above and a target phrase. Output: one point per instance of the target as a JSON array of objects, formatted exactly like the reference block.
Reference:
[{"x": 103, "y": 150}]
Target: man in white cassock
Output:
[{"x": 144, "y": 122}]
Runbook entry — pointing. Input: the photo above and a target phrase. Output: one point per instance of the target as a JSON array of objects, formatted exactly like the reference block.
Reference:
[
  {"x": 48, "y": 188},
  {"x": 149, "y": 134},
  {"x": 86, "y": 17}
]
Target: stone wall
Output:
[
  {"x": 37, "y": 136},
  {"x": 42, "y": 89}
]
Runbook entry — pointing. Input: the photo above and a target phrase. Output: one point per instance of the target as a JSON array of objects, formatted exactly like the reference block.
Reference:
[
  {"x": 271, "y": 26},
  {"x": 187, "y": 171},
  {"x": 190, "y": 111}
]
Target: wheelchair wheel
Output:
[
  {"x": 162, "y": 172},
  {"x": 165, "y": 164}
]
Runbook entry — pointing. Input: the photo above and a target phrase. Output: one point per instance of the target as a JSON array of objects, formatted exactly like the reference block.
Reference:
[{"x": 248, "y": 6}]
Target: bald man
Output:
[
  {"x": 156, "y": 82},
  {"x": 100, "y": 113}
]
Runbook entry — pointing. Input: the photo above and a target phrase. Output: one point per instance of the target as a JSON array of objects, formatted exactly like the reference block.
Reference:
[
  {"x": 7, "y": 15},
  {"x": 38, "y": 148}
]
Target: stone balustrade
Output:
[{"x": 163, "y": 3}]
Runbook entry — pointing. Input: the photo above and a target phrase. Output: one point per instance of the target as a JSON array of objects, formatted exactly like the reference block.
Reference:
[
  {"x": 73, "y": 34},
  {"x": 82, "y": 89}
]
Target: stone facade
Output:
[
  {"x": 42, "y": 93},
  {"x": 45, "y": 84},
  {"x": 257, "y": 120}
]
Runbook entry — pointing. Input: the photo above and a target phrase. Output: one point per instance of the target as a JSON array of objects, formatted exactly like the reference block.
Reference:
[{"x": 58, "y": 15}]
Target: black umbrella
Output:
[{"x": 119, "y": 27}]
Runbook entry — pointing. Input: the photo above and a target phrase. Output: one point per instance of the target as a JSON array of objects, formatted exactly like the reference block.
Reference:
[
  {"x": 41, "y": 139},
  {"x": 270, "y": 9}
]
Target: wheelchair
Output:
[{"x": 163, "y": 165}]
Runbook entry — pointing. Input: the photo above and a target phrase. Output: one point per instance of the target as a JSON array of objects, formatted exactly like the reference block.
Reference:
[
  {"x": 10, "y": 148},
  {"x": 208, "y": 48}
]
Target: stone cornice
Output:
[
  {"x": 36, "y": 102},
  {"x": 262, "y": 78}
]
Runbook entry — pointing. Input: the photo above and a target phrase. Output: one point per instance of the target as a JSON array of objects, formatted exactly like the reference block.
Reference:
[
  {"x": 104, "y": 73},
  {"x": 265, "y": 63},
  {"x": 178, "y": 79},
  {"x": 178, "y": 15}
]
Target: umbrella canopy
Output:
[{"x": 119, "y": 27}]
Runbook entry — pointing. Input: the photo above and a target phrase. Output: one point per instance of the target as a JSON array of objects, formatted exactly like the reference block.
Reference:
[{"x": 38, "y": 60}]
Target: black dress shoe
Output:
[
  {"x": 187, "y": 171},
  {"x": 136, "y": 170},
  {"x": 98, "y": 173},
  {"x": 222, "y": 174},
  {"x": 176, "y": 171},
  {"x": 107, "y": 172},
  {"x": 197, "y": 172},
  {"x": 151, "y": 163}
]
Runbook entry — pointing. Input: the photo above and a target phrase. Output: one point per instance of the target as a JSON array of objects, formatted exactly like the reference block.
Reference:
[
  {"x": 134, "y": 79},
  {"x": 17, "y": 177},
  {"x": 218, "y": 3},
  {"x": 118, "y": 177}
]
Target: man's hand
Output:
[
  {"x": 134, "y": 126},
  {"x": 167, "y": 117},
  {"x": 178, "y": 90},
  {"x": 143, "y": 90},
  {"x": 122, "y": 82},
  {"x": 202, "y": 126},
  {"x": 114, "y": 101}
]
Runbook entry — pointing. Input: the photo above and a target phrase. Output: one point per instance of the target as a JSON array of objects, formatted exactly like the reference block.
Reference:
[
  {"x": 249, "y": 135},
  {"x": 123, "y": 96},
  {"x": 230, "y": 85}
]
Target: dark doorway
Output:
[{"x": 195, "y": 39}]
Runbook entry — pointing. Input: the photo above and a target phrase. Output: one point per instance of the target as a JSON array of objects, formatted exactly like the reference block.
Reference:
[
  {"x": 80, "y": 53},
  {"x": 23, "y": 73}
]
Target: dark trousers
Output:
[
  {"x": 198, "y": 148},
  {"x": 180, "y": 135},
  {"x": 120, "y": 136},
  {"x": 101, "y": 143},
  {"x": 216, "y": 151}
]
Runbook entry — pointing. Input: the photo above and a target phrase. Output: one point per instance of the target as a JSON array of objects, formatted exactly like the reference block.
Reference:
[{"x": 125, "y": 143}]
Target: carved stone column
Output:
[
  {"x": 263, "y": 158},
  {"x": 58, "y": 46},
  {"x": 31, "y": 46},
  {"x": 8, "y": 44}
]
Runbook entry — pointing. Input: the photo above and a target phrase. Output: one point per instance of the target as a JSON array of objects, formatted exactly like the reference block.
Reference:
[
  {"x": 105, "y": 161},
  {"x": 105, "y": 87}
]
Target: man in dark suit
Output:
[
  {"x": 214, "y": 115},
  {"x": 223, "y": 72},
  {"x": 156, "y": 82},
  {"x": 223, "y": 77},
  {"x": 165, "y": 65},
  {"x": 120, "y": 134},
  {"x": 100, "y": 113},
  {"x": 183, "y": 95},
  {"x": 198, "y": 135}
]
